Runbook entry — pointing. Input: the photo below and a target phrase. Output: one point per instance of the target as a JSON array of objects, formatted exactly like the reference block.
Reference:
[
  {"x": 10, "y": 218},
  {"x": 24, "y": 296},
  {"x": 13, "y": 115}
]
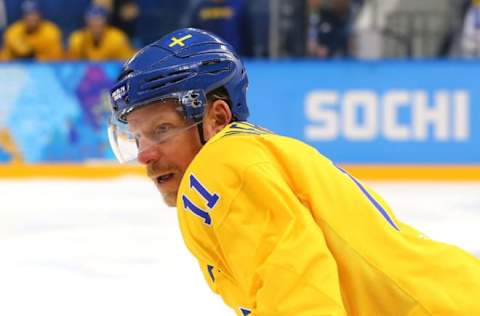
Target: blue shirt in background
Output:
[{"x": 227, "y": 19}]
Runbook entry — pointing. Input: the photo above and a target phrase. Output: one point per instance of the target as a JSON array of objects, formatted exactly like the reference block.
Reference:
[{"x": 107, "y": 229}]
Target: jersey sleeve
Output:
[
  {"x": 404, "y": 228},
  {"x": 276, "y": 251}
]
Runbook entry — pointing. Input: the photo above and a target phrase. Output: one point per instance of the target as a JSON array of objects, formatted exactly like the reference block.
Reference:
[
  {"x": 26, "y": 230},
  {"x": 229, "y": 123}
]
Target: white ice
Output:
[{"x": 111, "y": 247}]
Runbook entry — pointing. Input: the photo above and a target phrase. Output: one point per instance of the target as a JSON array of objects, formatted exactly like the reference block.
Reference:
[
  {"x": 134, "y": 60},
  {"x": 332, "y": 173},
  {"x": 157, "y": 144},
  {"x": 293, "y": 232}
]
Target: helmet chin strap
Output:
[{"x": 200, "y": 133}]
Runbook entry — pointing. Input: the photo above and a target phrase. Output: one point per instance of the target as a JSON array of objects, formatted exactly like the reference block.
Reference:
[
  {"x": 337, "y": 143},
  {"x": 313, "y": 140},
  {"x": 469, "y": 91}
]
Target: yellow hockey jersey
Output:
[
  {"x": 279, "y": 230},
  {"x": 114, "y": 45},
  {"x": 45, "y": 44}
]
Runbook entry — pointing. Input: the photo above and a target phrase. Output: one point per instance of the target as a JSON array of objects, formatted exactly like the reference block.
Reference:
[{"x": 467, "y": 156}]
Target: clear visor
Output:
[
  {"x": 122, "y": 141},
  {"x": 125, "y": 144}
]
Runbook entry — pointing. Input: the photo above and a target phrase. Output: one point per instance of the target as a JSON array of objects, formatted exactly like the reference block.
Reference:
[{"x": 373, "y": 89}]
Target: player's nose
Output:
[{"x": 147, "y": 152}]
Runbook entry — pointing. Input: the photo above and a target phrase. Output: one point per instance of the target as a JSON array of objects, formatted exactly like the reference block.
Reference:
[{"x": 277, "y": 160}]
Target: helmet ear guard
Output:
[{"x": 194, "y": 103}]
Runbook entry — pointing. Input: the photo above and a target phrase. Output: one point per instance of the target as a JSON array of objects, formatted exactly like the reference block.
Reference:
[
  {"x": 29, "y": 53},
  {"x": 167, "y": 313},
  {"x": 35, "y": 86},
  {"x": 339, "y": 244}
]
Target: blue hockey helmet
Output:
[{"x": 186, "y": 65}]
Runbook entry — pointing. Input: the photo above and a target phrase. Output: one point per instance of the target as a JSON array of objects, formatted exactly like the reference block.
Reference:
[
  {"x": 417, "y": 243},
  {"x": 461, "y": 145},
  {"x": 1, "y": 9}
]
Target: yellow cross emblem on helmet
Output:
[{"x": 179, "y": 41}]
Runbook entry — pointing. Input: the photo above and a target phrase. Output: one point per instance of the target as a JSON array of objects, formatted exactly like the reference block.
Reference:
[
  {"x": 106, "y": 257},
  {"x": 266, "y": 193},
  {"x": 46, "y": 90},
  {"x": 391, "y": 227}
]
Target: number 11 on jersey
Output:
[{"x": 211, "y": 200}]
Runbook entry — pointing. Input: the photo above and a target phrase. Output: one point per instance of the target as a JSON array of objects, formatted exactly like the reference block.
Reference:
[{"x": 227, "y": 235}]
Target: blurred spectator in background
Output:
[
  {"x": 328, "y": 28},
  {"x": 287, "y": 29},
  {"x": 470, "y": 38},
  {"x": 32, "y": 37},
  {"x": 227, "y": 19},
  {"x": 123, "y": 14},
  {"x": 258, "y": 12},
  {"x": 98, "y": 40}
]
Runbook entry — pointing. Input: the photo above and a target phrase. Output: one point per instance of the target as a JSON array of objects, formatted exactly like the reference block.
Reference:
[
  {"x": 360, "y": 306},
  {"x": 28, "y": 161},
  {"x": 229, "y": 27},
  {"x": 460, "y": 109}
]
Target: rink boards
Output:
[{"x": 365, "y": 172}]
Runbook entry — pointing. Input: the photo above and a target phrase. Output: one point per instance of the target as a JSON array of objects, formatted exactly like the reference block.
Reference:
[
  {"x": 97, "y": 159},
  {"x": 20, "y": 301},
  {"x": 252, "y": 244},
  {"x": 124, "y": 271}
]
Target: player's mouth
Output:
[{"x": 164, "y": 178}]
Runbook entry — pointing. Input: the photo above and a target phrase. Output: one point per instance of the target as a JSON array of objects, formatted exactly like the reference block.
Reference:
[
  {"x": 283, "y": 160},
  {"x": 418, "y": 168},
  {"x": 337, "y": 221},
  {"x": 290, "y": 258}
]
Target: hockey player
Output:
[{"x": 277, "y": 228}]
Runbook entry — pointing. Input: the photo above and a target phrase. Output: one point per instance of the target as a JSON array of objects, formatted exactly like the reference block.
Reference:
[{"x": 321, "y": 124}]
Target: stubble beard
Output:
[{"x": 170, "y": 198}]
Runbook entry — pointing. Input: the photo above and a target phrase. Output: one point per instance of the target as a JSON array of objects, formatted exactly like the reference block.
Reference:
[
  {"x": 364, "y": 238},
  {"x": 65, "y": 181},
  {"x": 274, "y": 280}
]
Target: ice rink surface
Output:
[{"x": 111, "y": 247}]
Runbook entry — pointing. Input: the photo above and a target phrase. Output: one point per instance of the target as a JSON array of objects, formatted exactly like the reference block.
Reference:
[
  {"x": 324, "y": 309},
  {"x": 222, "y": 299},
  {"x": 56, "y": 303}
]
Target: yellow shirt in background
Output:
[
  {"x": 114, "y": 45},
  {"x": 279, "y": 230},
  {"x": 44, "y": 44}
]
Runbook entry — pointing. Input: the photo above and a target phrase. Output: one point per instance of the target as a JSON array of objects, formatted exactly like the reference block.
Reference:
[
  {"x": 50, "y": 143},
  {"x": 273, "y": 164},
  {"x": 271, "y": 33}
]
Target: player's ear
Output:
[{"x": 217, "y": 116}]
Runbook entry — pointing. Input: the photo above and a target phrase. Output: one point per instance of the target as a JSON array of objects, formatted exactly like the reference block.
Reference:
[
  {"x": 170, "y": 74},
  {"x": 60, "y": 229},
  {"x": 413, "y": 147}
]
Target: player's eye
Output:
[
  {"x": 161, "y": 132},
  {"x": 162, "y": 129}
]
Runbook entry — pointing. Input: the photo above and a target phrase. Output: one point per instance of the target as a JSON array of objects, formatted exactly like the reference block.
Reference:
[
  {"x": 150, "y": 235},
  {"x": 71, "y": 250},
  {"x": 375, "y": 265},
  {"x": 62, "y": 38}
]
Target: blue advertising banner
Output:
[
  {"x": 55, "y": 112},
  {"x": 388, "y": 112},
  {"x": 383, "y": 112}
]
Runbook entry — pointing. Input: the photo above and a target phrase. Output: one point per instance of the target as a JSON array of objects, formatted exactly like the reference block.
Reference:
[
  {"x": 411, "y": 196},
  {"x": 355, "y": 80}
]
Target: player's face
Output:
[
  {"x": 32, "y": 20},
  {"x": 167, "y": 143},
  {"x": 96, "y": 25}
]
